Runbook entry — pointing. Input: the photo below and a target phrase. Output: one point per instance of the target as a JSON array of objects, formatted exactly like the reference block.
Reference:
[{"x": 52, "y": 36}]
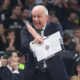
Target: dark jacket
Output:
[
  {"x": 55, "y": 64},
  {"x": 6, "y": 74}
]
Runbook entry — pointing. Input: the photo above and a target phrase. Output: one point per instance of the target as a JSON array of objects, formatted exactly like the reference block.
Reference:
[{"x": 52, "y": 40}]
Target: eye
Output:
[{"x": 39, "y": 16}]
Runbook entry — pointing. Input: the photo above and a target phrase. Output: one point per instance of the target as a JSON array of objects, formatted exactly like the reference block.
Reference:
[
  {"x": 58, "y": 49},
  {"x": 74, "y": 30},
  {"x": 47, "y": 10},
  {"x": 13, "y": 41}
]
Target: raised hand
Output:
[
  {"x": 37, "y": 37},
  {"x": 3, "y": 62}
]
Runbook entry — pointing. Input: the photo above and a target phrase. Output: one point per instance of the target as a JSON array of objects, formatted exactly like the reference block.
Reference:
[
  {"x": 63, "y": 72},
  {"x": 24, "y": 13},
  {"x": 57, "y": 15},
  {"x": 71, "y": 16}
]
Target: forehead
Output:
[
  {"x": 38, "y": 11},
  {"x": 14, "y": 53}
]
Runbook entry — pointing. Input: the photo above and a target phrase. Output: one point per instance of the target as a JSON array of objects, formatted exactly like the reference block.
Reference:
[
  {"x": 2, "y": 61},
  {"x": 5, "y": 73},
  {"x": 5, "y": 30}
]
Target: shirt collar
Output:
[
  {"x": 10, "y": 68},
  {"x": 44, "y": 27}
]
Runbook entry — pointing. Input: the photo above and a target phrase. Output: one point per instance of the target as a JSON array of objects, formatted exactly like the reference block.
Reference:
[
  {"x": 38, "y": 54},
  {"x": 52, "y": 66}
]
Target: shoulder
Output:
[
  {"x": 53, "y": 26},
  {"x": 54, "y": 23}
]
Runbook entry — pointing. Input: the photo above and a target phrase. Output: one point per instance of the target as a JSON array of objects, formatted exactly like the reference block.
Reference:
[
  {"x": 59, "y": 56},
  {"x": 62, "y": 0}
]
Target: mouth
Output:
[{"x": 37, "y": 24}]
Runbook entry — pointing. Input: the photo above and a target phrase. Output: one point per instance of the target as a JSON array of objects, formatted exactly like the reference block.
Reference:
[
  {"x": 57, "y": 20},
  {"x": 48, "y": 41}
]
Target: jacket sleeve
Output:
[
  {"x": 6, "y": 74},
  {"x": 25, "y": 43},
  {"x": 59, "y": 27}
]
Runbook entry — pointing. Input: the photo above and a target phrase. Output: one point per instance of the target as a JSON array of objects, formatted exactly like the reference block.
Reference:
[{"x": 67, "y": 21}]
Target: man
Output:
[
  {"x": 76, "y": 33},
  {"x": 26, "y": 15},
  {"x": 14, "y": 22},
  {"x": 54, "y": 67},
  {"x": 11, "y": 71}
]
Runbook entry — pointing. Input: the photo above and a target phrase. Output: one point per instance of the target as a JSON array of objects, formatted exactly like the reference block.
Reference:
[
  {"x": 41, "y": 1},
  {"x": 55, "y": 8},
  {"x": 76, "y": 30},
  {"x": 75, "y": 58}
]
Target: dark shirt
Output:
[
  {"x": 17, "y": 25},
  {"x": 70, "y": 47}
]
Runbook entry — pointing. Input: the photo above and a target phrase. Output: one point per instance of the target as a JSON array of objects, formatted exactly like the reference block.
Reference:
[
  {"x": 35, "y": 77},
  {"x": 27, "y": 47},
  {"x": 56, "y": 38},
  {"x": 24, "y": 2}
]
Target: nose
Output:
[{"x": 36, "y": 18}]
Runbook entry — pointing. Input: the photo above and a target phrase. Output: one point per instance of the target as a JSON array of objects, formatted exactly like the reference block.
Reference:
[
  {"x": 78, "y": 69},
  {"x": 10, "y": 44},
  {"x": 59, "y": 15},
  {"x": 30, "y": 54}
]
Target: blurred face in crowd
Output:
[
  {"x": 73, "y": 2},
  {"x": 13, "y": 58},
  {"x": 17, "y": 10},
  {"x": 77, "y": 33},
  {"x": 73, "y": 16},
  {"x": 39, "y": 17},
  {"x": 25, "y": 13},
  {"x": 11, "y": 35}
]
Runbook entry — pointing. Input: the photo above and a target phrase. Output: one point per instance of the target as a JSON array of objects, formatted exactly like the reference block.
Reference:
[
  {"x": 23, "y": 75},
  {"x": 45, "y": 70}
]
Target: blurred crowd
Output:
[{"x": 14, "y": 14}]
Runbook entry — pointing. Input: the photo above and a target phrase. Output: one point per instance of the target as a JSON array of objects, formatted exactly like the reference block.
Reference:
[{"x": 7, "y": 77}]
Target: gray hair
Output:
[{"x": 45, "y": 10}]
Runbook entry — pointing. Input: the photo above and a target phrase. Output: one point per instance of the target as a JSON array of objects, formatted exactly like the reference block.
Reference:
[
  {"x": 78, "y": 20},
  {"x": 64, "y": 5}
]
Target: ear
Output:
[{"x": 47, "y": 17}]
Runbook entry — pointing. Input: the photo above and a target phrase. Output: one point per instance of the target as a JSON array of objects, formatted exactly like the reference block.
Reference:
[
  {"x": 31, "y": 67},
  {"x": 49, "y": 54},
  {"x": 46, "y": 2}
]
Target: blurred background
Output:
[{"x": 14, "y": 14}]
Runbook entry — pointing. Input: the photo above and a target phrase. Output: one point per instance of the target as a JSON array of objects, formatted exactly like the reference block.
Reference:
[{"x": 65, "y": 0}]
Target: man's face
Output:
[
  {"x": 39, "y": 19},
  {"x": 77, "y": 33},
  {"x": 14, "y": 57},
  {"x": 11, "y": 35},
  {"x": 73, "y": 16},
  {"x": 17, "y": 11}
]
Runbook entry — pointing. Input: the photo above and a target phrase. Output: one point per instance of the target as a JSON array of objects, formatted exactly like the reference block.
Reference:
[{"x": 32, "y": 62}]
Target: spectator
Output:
[
  {"x": 60, "y": 9},
  {"x": 68, "y": 44},
  {"x": 30, "y": 3},
  {"x": 73, "y": 6},
  {"x": 76, "y": 32},
  {"x": 5, "y": 10},
  {"x": 15, "y": 23},
  {"x": 10, "y": 44},
  {"x": 77, "y": 77},
  {"x": 70, "y": 23},
  {"x": 26, "y": 15},
  {"x": 11, "y": 71}
]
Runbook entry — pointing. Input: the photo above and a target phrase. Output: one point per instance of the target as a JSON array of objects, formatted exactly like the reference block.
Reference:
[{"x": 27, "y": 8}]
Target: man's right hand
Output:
[
  {"x": 3, "y": 62},
  {"x": 37, "y": 38}
]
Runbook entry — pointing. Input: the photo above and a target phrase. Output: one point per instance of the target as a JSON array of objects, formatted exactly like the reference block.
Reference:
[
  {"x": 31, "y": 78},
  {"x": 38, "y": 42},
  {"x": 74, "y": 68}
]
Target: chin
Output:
[{"x": 38, "y": 28}]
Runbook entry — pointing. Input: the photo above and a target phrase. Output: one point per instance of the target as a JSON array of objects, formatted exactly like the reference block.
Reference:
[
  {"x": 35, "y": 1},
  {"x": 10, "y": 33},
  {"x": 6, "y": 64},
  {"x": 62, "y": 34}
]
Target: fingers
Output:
[
  {"x": 32, "y": 30},
  {"x": 3, "y": 61},
  {"x": 14, "y": 64},
  {"x": 38, "y": 38}
]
